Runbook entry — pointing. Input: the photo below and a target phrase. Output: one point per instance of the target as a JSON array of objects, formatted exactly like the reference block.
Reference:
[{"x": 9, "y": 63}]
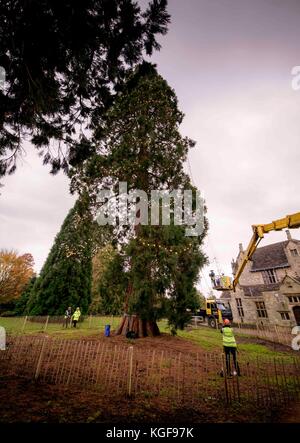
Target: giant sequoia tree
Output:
[
  {"x": 63, "y": 61},
  {"x": 163, "y": 273},
  {"x": 140, "y": 144}
]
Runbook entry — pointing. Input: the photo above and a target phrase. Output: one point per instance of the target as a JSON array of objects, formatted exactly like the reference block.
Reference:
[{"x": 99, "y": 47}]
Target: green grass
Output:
[
  {"x": 90, "y": 326},
  {"x": 206, "y": 338},
  {"x": 211, "y": 339}
]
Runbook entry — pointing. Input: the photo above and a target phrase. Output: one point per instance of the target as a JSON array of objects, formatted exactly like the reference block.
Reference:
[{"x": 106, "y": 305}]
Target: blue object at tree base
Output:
[{"x": 107, "y": 331}]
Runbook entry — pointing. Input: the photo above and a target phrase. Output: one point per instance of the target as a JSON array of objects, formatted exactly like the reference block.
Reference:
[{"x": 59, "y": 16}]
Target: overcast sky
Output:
[{"x": 230, "y": 63}]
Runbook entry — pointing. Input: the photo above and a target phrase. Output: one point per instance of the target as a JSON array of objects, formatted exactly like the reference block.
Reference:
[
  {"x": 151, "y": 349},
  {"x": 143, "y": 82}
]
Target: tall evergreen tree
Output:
[
  {"x": 140, "y": 144},
  {"x": 65, "y": 279},
  {"x": 63, "y": 62},
  {"x": 164, "y": 271},
  {"x": 22, "y": 302}
]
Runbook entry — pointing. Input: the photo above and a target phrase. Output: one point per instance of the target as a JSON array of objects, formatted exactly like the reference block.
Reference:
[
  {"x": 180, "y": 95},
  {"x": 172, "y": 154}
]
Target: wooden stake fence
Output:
[{"x": 182, "y": 378}]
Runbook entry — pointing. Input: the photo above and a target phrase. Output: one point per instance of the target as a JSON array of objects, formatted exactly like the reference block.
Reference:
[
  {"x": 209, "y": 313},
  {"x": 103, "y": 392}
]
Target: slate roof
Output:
[
  {"x": 270, "y": 256},
  {"x": 256, "y": 290}
]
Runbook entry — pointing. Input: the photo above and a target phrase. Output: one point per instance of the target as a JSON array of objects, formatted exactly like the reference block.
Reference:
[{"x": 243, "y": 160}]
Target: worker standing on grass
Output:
[
  {"x": 230, "y": 347},
  {"x": 68, "y": 315},
  {"x": 75, "y": 317}
]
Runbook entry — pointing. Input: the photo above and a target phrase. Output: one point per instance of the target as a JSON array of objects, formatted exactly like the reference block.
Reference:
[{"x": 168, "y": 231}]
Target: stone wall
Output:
[{"x": 275, "y": 301}]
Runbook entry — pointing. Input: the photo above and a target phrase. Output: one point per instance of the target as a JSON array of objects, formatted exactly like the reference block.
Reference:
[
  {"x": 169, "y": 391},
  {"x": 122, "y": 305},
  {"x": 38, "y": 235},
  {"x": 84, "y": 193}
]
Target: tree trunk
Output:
[{"x": 142, "y": 328}]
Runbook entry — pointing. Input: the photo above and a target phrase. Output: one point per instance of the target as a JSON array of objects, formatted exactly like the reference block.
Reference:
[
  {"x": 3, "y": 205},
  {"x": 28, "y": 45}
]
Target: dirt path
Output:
[
  {"x": 291, "y": 414},
  {"x": 26, "y": 401}
]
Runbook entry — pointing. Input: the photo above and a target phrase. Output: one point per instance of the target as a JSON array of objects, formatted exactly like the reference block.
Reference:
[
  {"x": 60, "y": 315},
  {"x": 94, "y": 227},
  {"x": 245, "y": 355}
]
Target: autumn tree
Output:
[
  {"x": 15, "y": 272},
  {"x": 64, "y": 61}
]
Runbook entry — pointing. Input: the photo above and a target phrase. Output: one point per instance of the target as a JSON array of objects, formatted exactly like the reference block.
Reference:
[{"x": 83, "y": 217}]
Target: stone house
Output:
[{"x": 269, "y": 287}]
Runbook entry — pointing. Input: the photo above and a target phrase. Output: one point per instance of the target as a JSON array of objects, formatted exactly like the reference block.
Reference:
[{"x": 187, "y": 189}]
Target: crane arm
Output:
[{"x": 290, "y": 221}]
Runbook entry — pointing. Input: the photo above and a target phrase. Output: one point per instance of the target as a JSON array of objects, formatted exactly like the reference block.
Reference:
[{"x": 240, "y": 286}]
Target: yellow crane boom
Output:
[{"x": 290, "y": 221}]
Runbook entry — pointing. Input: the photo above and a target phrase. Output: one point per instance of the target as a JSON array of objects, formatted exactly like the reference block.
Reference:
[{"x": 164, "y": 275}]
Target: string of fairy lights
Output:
[{"x": 169, "y": 249}]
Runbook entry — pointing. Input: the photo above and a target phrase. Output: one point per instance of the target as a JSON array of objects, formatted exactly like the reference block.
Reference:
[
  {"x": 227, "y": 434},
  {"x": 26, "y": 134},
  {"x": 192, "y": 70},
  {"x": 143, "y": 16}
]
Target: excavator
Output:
[{"x": 224, "y": 283}]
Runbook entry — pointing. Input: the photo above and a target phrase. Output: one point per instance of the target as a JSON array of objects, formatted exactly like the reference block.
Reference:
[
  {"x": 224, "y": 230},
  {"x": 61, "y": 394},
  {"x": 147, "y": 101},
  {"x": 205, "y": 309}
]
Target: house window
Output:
[
  {"x": 294, "y": 298},
  {"x": 284, "y": 316},
  {"x": 261, "y": 309},
  {"x": 269, "y": 276},
  {"x": 294, "y": 252},
  {"x": 239, "y": 307}
]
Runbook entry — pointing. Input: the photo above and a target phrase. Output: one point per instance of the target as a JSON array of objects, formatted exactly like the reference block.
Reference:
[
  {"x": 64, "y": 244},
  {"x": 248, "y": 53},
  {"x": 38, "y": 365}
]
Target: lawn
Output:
[
  {"x": 210, "y": 339},
  {"x": 89, "y": 326}
]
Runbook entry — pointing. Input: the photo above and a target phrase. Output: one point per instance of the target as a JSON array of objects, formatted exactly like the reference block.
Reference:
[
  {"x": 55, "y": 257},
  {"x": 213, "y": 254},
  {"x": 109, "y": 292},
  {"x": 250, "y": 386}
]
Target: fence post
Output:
[
  {"x": 160, "y": 365},
  {"x": 46, "y": 324},
  {"x": 24, "y": 323},
  {"x": 130, "y": 370},
  {"x": 286, "y": 387},
  {"x": 225, "y": 378},
  {"x": 90, "y": 319},
  {"x": 39, "y": 363}
]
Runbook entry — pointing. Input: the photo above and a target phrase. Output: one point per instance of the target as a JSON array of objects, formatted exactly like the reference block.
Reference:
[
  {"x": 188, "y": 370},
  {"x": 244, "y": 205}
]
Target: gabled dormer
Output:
[{"x": 290, "y": 285}]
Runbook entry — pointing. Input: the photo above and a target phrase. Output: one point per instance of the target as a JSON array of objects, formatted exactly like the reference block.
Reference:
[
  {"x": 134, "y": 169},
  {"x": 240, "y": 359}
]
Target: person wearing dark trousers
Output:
[
  {"x": 68, "y": 315},
  {"x": 230, "y": 348},
  {"x": 75, "y": 317}
]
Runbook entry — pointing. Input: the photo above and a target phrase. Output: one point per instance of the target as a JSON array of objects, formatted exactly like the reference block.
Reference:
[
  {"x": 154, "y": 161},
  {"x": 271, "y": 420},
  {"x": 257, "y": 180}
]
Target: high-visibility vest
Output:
[
  {"x": 76, "y": 315},
  {"x": 225, "y": 281},
  {"x": 228, "y": 337}
]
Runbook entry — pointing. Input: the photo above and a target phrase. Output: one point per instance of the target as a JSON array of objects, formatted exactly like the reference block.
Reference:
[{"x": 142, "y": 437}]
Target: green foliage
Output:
[
  {"x": 112, "y": 287},
  {"x": 21, "y": 303},
  {"x": 140, "y": 144},
  {"x": 65, "y": 279},
  {"x": 164, "y": 270},
  {"x": 100, "y": 263},
  {"x": 63, "y": 61},
  {"x": 109, "y": 282},
  {"x": 201, "y": 301}
]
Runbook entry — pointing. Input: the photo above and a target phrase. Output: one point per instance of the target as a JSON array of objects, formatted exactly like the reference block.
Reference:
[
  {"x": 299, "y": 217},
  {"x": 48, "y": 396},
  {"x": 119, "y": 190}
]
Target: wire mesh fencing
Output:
[
  {"x": 115, "y": 369},
  {"x": 271, "y": 333}
]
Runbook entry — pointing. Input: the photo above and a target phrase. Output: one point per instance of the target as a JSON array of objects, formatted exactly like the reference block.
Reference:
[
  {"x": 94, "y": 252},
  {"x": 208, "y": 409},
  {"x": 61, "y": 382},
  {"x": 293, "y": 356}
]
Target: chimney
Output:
[
  {"x": 233, "y": 266},
  {"x": 241, "y": 247},
  {"x": 288, "y": 234}
]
